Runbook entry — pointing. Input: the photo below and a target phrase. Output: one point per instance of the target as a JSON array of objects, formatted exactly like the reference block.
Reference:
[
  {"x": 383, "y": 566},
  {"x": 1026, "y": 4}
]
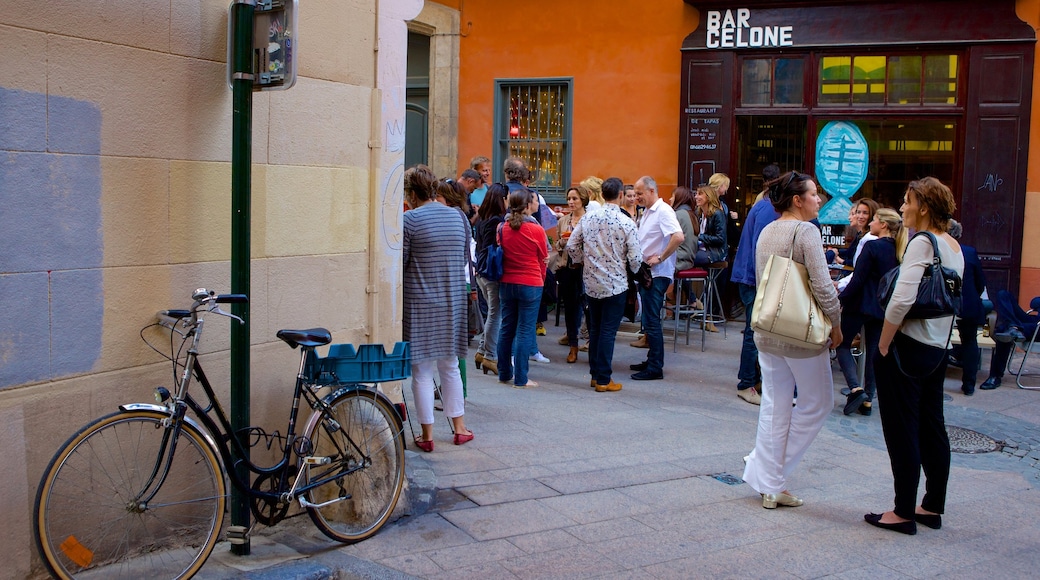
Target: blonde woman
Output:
[
  {"x": 860, "y": 307},
  {"x": 593, "y": 187},
  {"x": 711, "y": 242}
]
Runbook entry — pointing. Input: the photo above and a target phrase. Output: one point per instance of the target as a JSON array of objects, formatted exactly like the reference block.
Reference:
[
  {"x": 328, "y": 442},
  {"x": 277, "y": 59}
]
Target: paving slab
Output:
[{"x": 564, "y": 482}]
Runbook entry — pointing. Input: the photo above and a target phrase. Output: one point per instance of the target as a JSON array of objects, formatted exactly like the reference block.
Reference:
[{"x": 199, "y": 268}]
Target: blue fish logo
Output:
[{"x": 842, "y": 157}]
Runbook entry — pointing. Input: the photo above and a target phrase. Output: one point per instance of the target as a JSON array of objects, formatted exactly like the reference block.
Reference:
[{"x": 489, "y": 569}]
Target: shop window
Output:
[
  {"x": 772, "y": 82},
  {"x": 868, "y": 79},
  {"x": 892, "y": 80},
  {"x": 940, "y": 80},
  {"x": 835, "y": 80},
  {"x": 899, "y": 151},
  {"x": 533, "y": 123},
  {"x": 904, "y": 80}
]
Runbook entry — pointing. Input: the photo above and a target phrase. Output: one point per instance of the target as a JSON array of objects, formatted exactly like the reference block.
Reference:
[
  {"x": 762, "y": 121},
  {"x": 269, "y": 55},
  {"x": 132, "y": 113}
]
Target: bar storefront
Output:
[{"x": 867, "y": 96}]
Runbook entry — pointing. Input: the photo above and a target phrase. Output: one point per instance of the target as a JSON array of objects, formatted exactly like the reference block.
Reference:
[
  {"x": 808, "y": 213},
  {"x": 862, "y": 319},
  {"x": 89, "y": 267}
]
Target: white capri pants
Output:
[
  {"x": 451, "y": 388},
  {"x": 785, "y": 432}
]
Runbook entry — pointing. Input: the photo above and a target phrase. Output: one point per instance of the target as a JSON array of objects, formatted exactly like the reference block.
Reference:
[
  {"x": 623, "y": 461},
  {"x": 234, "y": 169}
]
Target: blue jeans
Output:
[
  {"x": 492, "y": 319},
  {"x": 869, "y": 339},
  {"x": 653, "y": 300},
  {"x": 604, "y": 320},
  {"x": 519, "y": 309},
  {"x": 749, "y": 373}
]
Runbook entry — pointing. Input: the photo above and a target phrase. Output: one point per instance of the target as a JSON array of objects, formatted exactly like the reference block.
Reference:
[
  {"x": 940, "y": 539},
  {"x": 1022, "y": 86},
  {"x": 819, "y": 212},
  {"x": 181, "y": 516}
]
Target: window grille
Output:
[{"x": 533, "y": 123}]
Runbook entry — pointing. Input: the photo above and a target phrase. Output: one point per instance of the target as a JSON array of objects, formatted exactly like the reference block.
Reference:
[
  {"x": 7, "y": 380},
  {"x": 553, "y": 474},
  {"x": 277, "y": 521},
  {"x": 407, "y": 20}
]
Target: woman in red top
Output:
[{"x": 525, "y": 253}]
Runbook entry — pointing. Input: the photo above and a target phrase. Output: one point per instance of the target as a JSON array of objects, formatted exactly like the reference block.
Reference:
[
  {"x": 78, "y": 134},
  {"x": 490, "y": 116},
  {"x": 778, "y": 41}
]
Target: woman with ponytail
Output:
[
  {"x": 525, "y": 253},
  {"x": 860, "y": 305}
]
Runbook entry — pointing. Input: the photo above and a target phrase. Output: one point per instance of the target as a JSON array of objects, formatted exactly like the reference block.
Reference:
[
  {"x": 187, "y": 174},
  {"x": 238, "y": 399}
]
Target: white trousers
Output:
[
  {"x": 451, "y": 388},
  {"x": 784, "y": 433}
]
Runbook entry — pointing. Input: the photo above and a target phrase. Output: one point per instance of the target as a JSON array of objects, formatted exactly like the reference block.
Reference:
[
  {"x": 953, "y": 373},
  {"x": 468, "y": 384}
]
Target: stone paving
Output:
[{"x": 562, "y": 481}]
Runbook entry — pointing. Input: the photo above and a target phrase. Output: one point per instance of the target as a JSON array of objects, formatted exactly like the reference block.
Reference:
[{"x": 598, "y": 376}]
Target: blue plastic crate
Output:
[{"x": 368, "y": 363}]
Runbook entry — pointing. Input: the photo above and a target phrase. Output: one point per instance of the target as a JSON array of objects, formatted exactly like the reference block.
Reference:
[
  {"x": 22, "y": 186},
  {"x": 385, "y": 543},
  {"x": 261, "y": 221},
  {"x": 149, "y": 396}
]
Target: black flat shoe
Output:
[
  {"x": 933, "y": 521},
  {"x": 639, "y": 366},
  {"x": 865, "y": 409},
  {"x": 968, "y": 391},
  {"x": 854, "y": 400},
  {"x": 909, "y": 528},
  {"x": 990, "y": 384}
]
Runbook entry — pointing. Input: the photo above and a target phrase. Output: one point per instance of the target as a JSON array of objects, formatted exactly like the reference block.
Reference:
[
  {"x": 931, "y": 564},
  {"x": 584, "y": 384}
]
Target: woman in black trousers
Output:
[{"x": 912, "y": 366}]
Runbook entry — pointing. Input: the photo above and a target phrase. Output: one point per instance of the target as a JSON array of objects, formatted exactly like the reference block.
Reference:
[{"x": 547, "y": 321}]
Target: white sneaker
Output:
[{"x": 539, "y": 357}]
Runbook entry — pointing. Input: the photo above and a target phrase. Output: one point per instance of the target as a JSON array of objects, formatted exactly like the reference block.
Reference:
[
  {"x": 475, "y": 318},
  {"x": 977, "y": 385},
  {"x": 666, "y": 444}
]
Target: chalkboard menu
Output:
[{"x": 703, "y": 129}]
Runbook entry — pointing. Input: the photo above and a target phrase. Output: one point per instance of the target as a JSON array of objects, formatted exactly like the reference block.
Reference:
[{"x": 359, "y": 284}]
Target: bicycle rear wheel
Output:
[
  {"x": 89, "y": 518},
  {"x": 361, "y": 436}
]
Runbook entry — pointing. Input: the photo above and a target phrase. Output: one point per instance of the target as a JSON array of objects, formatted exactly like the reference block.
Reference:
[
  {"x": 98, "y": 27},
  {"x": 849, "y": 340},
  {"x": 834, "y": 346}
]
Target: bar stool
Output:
[
  {"x": 681, "y": 308},
  {"x": 714, "y": 312}
]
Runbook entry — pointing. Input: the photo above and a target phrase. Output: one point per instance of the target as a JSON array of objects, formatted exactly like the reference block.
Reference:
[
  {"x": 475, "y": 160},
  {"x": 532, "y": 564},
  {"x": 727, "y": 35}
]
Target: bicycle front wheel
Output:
[
  {"x": 361, "y": 437},
  {"x": 105, "y": 508}
]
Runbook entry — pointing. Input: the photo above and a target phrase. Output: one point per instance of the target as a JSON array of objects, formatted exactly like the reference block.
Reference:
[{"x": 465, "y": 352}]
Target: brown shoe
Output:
[
  {"x": 611, "y": 386},
  {"x": 572, "y": 356},
  {"x": 592, "y": 383},
  {"x": 564, "y": 340},
  {"x": 584, "y": 347},
  {"x": 640, "y": 342}
]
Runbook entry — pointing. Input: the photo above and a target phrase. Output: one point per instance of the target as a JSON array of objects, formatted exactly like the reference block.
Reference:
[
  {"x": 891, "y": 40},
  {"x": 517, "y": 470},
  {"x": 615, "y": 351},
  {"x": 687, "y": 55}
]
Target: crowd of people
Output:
[{"x": 617, "y": 246}]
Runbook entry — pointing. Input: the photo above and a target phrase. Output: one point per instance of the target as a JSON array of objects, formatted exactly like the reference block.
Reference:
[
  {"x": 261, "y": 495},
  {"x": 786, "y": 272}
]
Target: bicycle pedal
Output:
[
  {"x": 313, "y": 460},
  {"x": 238, "y": 535}
]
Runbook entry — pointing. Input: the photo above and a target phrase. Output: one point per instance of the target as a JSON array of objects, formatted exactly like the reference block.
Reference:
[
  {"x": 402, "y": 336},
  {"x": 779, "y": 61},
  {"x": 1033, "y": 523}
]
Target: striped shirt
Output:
[{"x": 435, "y": 314}]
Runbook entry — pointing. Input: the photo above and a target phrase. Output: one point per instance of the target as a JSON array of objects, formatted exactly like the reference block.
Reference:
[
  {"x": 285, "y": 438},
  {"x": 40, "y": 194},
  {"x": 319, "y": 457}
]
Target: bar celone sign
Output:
[{"x": 733, "y": 29}]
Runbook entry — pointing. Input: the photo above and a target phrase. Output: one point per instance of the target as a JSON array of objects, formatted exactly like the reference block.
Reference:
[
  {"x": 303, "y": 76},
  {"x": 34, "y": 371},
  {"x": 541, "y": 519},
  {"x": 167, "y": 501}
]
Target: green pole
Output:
[{"x": 241, "y": 166}]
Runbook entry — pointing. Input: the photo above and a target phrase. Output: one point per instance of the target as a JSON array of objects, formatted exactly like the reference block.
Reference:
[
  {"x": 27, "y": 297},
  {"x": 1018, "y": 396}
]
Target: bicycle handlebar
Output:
[{"x": 202, "y": 297}]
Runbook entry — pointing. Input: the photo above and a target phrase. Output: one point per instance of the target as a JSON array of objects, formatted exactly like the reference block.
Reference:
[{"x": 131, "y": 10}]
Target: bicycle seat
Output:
[{"x": 310, "y": 337}]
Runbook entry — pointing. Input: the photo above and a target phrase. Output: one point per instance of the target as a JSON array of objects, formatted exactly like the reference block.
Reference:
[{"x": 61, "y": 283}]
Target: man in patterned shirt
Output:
[{"x": 606, "y": 242}]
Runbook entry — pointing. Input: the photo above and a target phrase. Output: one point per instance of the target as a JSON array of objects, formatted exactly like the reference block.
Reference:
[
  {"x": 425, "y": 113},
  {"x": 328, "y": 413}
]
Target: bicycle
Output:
[{"x": 141, "y": 492}]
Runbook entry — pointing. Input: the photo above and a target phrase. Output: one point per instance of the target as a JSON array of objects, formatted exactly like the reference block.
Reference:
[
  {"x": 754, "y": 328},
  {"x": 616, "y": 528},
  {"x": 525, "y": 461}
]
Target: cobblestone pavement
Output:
[{"x": 562, "y": 481}]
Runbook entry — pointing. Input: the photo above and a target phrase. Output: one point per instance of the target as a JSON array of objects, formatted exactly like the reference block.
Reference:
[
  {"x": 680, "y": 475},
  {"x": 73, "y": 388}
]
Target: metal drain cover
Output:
[{"x": 967, "y": 441}]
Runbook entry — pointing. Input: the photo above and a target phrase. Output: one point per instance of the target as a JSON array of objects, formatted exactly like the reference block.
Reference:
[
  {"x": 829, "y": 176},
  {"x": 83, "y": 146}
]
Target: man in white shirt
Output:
[
  {"x": 605, "y": 241},
  {"x": 659, "y": 236}
]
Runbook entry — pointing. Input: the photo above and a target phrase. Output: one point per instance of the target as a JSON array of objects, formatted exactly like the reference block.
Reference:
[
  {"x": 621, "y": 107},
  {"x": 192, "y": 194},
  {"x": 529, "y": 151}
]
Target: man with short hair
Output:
[
  {"x": 469, "y": 180},
  {"x": 659, "y": 237},
  {"x": 749, "y": 376},
  {"x": 481, "y": 165},
  {"x": 595, "y": 243}
]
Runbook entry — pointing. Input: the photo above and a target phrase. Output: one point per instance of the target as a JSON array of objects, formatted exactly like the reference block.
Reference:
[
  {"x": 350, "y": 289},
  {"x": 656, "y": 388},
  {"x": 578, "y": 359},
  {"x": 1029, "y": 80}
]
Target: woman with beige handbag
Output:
[{"x": 795, "y": 305}]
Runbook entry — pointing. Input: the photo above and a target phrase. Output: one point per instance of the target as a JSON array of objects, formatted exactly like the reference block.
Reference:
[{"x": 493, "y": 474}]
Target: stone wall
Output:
[{"x": 115, "y": 182}]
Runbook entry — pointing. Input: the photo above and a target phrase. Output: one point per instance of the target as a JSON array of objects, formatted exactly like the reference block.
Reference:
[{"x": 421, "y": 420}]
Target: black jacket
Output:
[
  {"x": 875, "y": 260},
  {"x": 974, "y": 282},
  {"x": 714, "y": 237}
]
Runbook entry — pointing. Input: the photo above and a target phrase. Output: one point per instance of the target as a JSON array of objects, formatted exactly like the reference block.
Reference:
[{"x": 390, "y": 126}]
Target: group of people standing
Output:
[
  {"x": 909, "y": 354},
  {"x": 600, "y": 247}
]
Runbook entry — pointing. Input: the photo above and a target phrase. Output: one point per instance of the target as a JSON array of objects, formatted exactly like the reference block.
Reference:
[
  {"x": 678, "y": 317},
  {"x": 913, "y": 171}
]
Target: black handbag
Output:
[
  {"x": 939, "y": 293},
  {"x": 492, "y": 270},
  {"x": 644, "y": 277}
]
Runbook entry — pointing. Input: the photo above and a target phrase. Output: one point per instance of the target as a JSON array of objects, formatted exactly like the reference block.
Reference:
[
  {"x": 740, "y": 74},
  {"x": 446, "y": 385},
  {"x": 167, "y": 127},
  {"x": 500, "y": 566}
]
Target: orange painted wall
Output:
[
  {"x": 624, "y": 58},
  {"x": 1029, "y": 11},
  {"x": 625, "y": 61}
]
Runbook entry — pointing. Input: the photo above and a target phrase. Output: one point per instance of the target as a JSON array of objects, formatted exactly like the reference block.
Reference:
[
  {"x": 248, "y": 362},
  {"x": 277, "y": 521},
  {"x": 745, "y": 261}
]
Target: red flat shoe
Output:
[
  {"x": 427, "y": 446},
  {"x": 460, "y": 438}
]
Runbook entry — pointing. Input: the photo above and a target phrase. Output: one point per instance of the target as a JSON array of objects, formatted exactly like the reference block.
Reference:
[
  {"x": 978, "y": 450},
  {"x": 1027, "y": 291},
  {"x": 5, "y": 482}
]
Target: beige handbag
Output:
[{"x": 785, "y": 307}]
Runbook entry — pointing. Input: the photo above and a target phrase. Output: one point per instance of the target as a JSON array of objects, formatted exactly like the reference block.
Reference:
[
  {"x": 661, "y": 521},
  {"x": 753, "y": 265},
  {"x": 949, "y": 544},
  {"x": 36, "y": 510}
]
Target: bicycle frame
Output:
[{"x": 219, "y": 432}]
